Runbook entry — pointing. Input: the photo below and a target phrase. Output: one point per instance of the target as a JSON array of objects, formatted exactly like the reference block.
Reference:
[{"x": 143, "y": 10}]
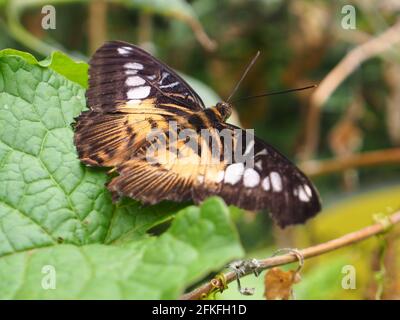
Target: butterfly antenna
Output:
[
  {"x": 243, "y": 76},
  {"x": 276, "y": 92}
]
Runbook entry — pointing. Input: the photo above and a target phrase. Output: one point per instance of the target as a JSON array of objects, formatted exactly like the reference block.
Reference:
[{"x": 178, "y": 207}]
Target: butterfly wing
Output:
[
  {"x": 130, "y": 93},
  {"x": 107, "y": 140},
  {"x": 183, "y": 172},
  {"x": 272, "y": 183},
  {"x": 167, "y": 167},
  {"x": 123, "y": 74}
]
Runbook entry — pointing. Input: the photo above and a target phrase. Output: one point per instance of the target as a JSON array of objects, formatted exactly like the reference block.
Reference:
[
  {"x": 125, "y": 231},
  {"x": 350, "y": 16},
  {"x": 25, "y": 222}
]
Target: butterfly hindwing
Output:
[
  {"x": 148, "y": 183},
  {"x": 271, "y": 182}
]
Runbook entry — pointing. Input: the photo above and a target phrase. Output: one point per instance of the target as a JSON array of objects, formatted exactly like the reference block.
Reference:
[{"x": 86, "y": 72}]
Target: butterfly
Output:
[{"x": 131, "y": 94}]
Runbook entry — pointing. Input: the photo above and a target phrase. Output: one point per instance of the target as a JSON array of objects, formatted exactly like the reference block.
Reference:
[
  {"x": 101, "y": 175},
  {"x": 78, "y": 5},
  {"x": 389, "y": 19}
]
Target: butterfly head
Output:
[{"x": 224, "y": 109}]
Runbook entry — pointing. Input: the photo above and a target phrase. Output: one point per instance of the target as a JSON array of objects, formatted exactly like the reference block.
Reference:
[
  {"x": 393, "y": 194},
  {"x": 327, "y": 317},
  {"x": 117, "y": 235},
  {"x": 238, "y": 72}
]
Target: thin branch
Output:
[
  {"x": 367, "y": 159},
  {"x": 97, "y": 24},
  {"x": 201, "y": 35},
  {"x": 310, "y": 252},
  {"x": 339, "y": 73},
  {"x": 14, "y": 10},
  {"x": 145, "y": 30}
]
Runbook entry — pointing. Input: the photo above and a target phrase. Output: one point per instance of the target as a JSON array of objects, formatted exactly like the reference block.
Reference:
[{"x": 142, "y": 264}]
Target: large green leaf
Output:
[
  {"x": 46, "y": 195},
  {"x": 75, "y": 71},
  {"x": 199, "y": 240},
  {"x": 54, "y": 210}
]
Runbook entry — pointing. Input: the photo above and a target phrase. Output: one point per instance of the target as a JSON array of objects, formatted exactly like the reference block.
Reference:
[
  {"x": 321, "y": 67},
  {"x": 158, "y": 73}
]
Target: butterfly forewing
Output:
[
  {"x": 123, "y": 74},
  {"x": 130, "y": 93}
]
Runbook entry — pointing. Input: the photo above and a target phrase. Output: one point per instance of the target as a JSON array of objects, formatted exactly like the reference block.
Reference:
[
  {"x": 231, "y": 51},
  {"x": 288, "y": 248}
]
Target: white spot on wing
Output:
[
  {"x": 303, "y": 195},
  {"x": 249, "y": 147},
  {"x": 130, "y": 72},
  {"x": 171, "y": 85},
  {"x": 266, "y": 184},
  {"x": 258, "y": 164},
  {"x": 251, "y": 178},
  {"x": 138, "y": 92},
  {"x": 233, "y": 173},
  {"x": 123, "y": 51},
  {"x": 308, "y": 190},
  {"x": 134, "y": 81},
  {"x": 276, "y": 181},
  {"x": 164, "y": 76},
  {"x": 262, "y": 152},
  {"x": 133, "y": 65}
]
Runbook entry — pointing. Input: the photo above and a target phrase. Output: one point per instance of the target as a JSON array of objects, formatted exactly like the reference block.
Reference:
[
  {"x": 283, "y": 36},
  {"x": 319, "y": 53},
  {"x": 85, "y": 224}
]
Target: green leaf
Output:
[
  {"x": 46, "y": 195},
  {"x": 75, "y": 71},
  {"x": 199, "y": 240},
  {"x": 56, "y": 211},
  {"x": 209, "y": 97}
]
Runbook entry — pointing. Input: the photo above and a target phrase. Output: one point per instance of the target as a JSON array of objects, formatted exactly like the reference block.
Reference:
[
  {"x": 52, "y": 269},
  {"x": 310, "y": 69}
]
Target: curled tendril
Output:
[
  {"x": 203, "y": 296},
  {"x": 218, "y": 284},
  {"x": 295, "y": 252},
  {"x": 242, "y": 267}
]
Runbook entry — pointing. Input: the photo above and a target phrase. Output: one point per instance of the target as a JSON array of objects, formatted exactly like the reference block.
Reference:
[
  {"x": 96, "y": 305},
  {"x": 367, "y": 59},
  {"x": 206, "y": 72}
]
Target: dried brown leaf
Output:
[{"x": 279, "y": 283}]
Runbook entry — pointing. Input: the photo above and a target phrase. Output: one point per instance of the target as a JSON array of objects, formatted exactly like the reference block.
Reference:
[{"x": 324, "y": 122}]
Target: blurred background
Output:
[{"x": 345, "y": 134}]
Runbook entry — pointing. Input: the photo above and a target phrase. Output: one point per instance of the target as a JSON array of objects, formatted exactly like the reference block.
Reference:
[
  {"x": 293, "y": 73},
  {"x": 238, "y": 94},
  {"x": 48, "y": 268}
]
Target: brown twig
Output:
[
  {"x": 201, "y": 35},
  {"x": 372, "y": 158},
  {"x": 310, "y": 252},
  {"x": 145, "y": 29},
  {"x": 97, "y": 24},
  {"x": 339, "y": 73}
]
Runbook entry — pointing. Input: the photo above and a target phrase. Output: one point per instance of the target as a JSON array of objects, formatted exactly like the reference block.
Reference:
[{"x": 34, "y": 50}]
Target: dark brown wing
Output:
[
  {"x": 262, "y": 179},
  {"x": 130, "y": 93},
  {"x": 121, "y": 73},
  {"x": 269, "y": 181}
]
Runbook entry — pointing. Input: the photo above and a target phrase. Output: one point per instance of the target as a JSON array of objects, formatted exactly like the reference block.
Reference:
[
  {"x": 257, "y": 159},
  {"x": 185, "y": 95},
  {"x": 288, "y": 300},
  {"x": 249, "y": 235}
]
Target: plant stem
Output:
[
  {"x": 372, "y": 158},
  {"x": 309, "y": 252}
]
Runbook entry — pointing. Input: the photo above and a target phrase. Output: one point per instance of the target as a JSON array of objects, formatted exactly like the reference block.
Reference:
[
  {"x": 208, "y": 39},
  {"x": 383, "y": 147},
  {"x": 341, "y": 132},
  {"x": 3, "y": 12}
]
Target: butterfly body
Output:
[
  {"x": 209, "y": 117},
  {"x": 151, "y": 127}
]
